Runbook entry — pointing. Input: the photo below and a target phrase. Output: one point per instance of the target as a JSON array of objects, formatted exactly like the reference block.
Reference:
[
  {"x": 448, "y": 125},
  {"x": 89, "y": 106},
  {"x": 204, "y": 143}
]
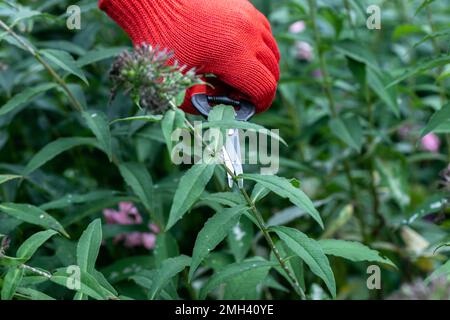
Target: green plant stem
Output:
[
  {"x": 73, "y": 101},
  {"x": 320, "y": 54},
  {"x": 259, "y": 219}
]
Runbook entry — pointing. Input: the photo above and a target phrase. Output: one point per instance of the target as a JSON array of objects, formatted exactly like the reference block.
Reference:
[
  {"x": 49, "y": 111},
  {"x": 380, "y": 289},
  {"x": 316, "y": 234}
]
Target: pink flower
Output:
[
  {"x": 153, "y": 227},
  {"x": 297, "y": 27},
  {"x": 317, "y": 74},
  {"x": 149, "y": 240},
  {"x": 431, "y": 143},
  {"x": 129, "y": 215},
  {"x": 133, "y": 239},
  {"x": 303, "y": 51}
]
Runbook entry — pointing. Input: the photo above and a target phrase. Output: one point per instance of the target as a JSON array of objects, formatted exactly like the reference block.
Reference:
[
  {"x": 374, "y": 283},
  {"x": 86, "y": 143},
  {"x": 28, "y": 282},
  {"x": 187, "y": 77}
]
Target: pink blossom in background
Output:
[
  {"x": 317, "y": 73},
  {"x": 149, "y": 240},
  {"x": 154, "y": 228},
  {"x": 431, "y": 142},
  {"x": 128, "y": 214},
  {"x": 303, "y": 51},
  {"x": 297, "y": 27}
]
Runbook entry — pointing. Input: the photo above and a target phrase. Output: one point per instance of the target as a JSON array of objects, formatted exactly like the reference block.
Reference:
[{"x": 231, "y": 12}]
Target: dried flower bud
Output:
[
  {"x": 4, "y": 244},
  {"x": 151, "y": 77}
]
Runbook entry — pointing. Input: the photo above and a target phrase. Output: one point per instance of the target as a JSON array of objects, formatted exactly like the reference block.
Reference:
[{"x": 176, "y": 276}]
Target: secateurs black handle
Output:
[{"x": 244, "y": 109}]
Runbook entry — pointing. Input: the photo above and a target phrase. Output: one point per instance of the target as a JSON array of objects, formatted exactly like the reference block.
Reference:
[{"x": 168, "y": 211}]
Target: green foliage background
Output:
[{"x": 370, "y": 185}]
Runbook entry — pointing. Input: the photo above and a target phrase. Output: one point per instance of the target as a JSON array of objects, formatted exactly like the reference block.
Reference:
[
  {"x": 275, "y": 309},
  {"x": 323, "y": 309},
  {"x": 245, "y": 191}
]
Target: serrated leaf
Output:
[
  {"x": 169, "y": 268},
  {"x": 25, "y": 97},
  {"x": 212, "y": 233},
  {"x": 98, "y": 123},
  {"x": 33, "y": 215},
  {"x": 55, "y": 148},
  {"x": 284, "y": 188},
  {"x": 310, "y": 252},
  {"x": 231, "y": 271},
  {"x": 190, "y": 188},
  {"x": 438, "y": 118},
  {"x": 353, "y": 251},
  {"x": 65, "y": 61}
]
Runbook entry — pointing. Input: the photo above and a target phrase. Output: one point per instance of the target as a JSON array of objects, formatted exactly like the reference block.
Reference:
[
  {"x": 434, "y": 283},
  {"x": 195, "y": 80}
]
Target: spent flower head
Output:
[{"x": 152, "y": 77}]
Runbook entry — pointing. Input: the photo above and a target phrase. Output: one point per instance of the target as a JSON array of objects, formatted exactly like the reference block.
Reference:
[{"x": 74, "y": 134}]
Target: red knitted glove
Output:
[{"x": 228, "y": 38}]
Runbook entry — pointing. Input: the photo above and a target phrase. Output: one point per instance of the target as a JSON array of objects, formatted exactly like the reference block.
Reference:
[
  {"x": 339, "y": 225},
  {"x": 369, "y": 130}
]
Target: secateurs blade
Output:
[{"x": 244, "y": 110}]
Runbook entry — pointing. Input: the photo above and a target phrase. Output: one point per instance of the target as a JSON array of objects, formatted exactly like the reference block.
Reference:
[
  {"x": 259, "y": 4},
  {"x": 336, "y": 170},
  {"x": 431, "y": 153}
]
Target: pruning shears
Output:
[{"x": 244, "y": 110}]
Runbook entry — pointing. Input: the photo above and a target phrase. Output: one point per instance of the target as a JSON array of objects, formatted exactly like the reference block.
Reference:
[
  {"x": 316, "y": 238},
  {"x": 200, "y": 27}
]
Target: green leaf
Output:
[
  {"x": 387, "y": 94},
  {"x": 349, "y": 131},
  {"x": 89, "y": 246},
  {"x": 81, "y": 282},
  {"x": 33, "y": 215},
  {"x": 8, "y": 177},
  {"x": 423, "y": 5},
  {"x": 356, "y": 51},
  {"x": 33, "y": 243},
  {"x": 212, "y": 233},
  {"x": 25, "y": 96},
  {"x": 146, "y": 118},
  {"x": 55, "y": 148},
  {"x": 65, "y": 61},
  {"x": 139, "y": 180},
  {"x": 98, "y": 123},
  {"x": 240, "y": 238},
  {"x": 97, "y": 55},
  {"x": 236, "y": 124},
  {"x": 32, "y": 294},
  {"x": 438, "y": 118},
  {"x": 72, "y": 199},
  {"x": 310, "y": 252},
  {"x": 172, "y": 120},
  {"x": 166, "y": 247},
  {"x": 420, "y": 67},
  {"x": 11, "y": 282},
  {"x": 246, "y": 285},
  {"x": 233, "y": 270},
  {"x": 229, "y": 199},
  {"x": 169, "y": 268},
  {"x": 190, "y": 188},
  {"x": 442, "y": 270},
  {"x": 353, "y": 251},
  {"x": 284, "y": 188}
]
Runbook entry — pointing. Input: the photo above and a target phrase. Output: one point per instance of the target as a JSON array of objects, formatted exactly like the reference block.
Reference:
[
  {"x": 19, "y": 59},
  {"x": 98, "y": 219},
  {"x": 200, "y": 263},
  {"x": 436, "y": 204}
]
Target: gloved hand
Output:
[{"x": 228, "y": 38}]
